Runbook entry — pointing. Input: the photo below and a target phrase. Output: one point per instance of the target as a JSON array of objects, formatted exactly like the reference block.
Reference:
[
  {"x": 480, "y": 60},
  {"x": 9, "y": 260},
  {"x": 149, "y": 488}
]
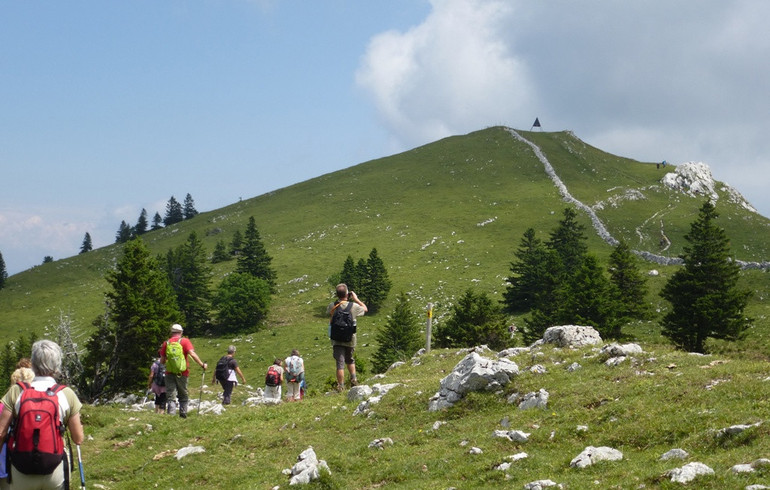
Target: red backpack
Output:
[
  {"x": 36, "y": 443},
  {"x": 273, "y": 377}
]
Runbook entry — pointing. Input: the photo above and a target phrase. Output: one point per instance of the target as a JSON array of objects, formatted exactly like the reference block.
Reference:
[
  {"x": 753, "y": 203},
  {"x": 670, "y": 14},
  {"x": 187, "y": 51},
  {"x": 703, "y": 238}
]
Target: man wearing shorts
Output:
[{"x": 343, "y": 351}]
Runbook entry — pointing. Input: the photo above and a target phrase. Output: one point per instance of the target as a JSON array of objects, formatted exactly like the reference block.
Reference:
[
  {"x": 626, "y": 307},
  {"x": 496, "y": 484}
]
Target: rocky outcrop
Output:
[{"x": 473, "y": 373}]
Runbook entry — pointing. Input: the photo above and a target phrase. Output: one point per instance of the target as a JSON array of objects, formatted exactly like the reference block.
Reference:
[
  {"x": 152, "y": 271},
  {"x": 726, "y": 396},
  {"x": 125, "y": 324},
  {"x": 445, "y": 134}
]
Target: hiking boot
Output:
[
  {"x": 353, "y": 382},
  {"x": 340, "y": 388}
]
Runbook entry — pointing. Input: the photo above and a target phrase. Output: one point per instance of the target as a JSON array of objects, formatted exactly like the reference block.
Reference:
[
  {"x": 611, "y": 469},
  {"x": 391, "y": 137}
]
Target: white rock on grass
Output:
[
  {"x": 592, "y": 455},
  {"x": 541, "y": 484},
  {"x": 734, "y": 430},
  {"x": 360, "y": 392},
  {"x": 537, "y": 399},
  {"x": 186, "y": 451},
  {"x": 307, "y": 468},
  {"x": 688, "y": 472},
  {"x": 472, "y": 373},
  {"x": 571, "y": 336},
  {"x": 675, "y": 454},
  {"x": 512, "y": 435},
  {"x": 381, "y": 443}
]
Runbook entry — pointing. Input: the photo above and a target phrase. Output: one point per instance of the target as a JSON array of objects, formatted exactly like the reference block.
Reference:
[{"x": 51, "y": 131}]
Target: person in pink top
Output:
[{"x": 176, "y": 383}]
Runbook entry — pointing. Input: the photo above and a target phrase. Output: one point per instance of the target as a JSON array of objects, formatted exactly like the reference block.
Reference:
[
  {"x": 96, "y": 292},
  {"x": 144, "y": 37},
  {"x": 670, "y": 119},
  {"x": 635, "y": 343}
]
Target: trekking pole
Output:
[
  {"x": 80, "y": 466},
  {"x": 200, "y": 397}
]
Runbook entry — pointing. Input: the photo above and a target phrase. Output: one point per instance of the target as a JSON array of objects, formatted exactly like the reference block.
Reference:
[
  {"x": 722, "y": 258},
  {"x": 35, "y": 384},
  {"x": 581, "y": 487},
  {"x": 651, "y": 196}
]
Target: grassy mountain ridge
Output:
[{"x": 444, "y": 217}]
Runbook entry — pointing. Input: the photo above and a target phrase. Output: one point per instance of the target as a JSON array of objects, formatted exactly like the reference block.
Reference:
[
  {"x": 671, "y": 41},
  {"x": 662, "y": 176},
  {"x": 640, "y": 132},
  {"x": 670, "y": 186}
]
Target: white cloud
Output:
[{"x": 451, "y": 74}]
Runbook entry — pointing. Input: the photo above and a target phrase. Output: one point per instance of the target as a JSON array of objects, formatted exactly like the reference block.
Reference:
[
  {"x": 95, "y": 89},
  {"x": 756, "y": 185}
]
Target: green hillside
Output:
[{"x": 444, "y": 217}]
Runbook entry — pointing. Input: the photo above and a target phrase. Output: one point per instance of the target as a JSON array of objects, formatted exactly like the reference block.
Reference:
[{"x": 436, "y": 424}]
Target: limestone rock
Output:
[
  {"x": 571, "y": 336},
  {"x": 472, "y": 373},
  {"x": 591, "y": 455}
]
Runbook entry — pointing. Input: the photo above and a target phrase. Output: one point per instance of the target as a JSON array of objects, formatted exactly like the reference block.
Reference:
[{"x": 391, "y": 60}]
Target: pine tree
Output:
[
  {"x": 242, "y": 302},
  {"x": 236, "y": 244},
  {"x": 706, "y": 301},
  {"x": 630, "y": 284},
  {"x": 140, "y": 309},
  {"x": 568, "y": 240},
  {"x": 174, "y": 212},
  {"x": 3, "y": 272},
  {"x": 124, "y": 233},
  {"x": 47, "y": 259},
  {"x": 141, "y": 223},
  {"x": 590, "y": 300},
  {"x": 189, "y": 207},
  {"x": 377, "y": 284},
  {"x": 545, "y": 311},
  {"x": 527, "y": 274},
  {"x": 86, "y": 246},
  {"x": 220, "y": 253},
  {"x": 349, "y": 275},
  {"x": 254, "y": 259},
  {"x": 157, "y": 222},
  {"x": 475, "y": 320},
  {"x": 190, "y": 274},
  {"x": 399, "y": 338}
]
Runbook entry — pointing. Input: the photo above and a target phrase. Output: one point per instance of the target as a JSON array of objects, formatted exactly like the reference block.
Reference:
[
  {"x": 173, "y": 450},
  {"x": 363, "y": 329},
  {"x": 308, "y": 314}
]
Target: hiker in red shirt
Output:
[{"x": 176, "y": 360}]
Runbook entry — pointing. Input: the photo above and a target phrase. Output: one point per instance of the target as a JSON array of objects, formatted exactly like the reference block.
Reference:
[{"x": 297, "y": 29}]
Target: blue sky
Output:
[{"x": 110, "y": 107}]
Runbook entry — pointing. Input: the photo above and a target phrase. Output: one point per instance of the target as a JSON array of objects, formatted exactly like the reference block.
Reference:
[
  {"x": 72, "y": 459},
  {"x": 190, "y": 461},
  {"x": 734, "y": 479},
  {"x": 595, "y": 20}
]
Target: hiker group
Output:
[{"x": 36, "y": 412}]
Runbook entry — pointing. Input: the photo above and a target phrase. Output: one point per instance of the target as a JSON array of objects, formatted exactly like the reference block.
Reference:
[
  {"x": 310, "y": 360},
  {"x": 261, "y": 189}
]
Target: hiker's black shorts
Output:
[{"x": 343, "y": 355}]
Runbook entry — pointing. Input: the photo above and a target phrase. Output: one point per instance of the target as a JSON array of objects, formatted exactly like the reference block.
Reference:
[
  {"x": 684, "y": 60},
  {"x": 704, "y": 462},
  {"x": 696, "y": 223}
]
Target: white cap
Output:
[{"x": 176, "y": 327}]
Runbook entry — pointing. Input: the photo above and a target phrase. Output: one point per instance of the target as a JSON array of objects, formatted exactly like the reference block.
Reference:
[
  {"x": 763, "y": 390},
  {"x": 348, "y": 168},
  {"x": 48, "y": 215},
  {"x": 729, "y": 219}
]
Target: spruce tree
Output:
[
  {"x": 568, "y": 240},
  {"x": 242, "y": 302},
  {"x": 399, "y": 338},
  {"x": 190, "y": 275},
  {"x": 475, "y": 320},
  {"x": 174, "y": 212},
  {"x": 124, "y": 233},
  {"x": 3, "y": 272},
  {"x": 189, "y": 207},
  {"x": 254, "y": 259},
  {"x": 349, "y": 275},
  {"x": 630, "y": 284},
  {"x": 141, "y": 223},
  {"x": 236, "y": 244},
  {"x": 706, "y": 301},
  {"x": 220, "y": 253},
  {"x": 157, "y": 222},
  {"x": 528, "y": 271},
  {"x": 589, "y": 299},
  {"x": 378, "y": 283},
  {"x": 550, "y": 294},
  {"x": 86, "y": 246},
  {"x": 140, "y": 309}
]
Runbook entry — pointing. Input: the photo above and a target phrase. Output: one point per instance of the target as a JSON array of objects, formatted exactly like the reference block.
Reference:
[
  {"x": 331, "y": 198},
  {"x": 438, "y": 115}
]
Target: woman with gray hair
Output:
[{"x": 46, "y": 363}]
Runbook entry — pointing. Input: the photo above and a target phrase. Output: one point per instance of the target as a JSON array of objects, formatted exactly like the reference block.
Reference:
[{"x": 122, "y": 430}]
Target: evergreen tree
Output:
[
  {"x": 156, "y": 222},
  {"x": 140, "y": 309},
  {"x": 590, "y": 300},
  {"x": 568, "y": 240},
  {"x": 124, "y": 233},
  {"x": 630, "y": 284},
  {"x": 3, "y": 272},
  {"x": 706, "y": 301},
  {"x": 220, "y": 253},
  {"x": 545, "y": 311},
  {"x": 377, "y": 282},
  {"x": 47, "y": 259},
  {"x": 86, "y": 246},
  {"x": 254, "y": 259},
  {"x": 475, "y": 320},
  {"x": 236, "y": 244},
  {"x": 242, "y": 302},
  {"x": 349, "y": 275},
  {"x": 174, "y": 212},
  {"x": 528, "y": 271},
  {"x": 141, "y": 223},
  {"x": 399, "y": 338},
  {"x": 189, "y": 207},
  {"x": 189, "y": 274}
]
